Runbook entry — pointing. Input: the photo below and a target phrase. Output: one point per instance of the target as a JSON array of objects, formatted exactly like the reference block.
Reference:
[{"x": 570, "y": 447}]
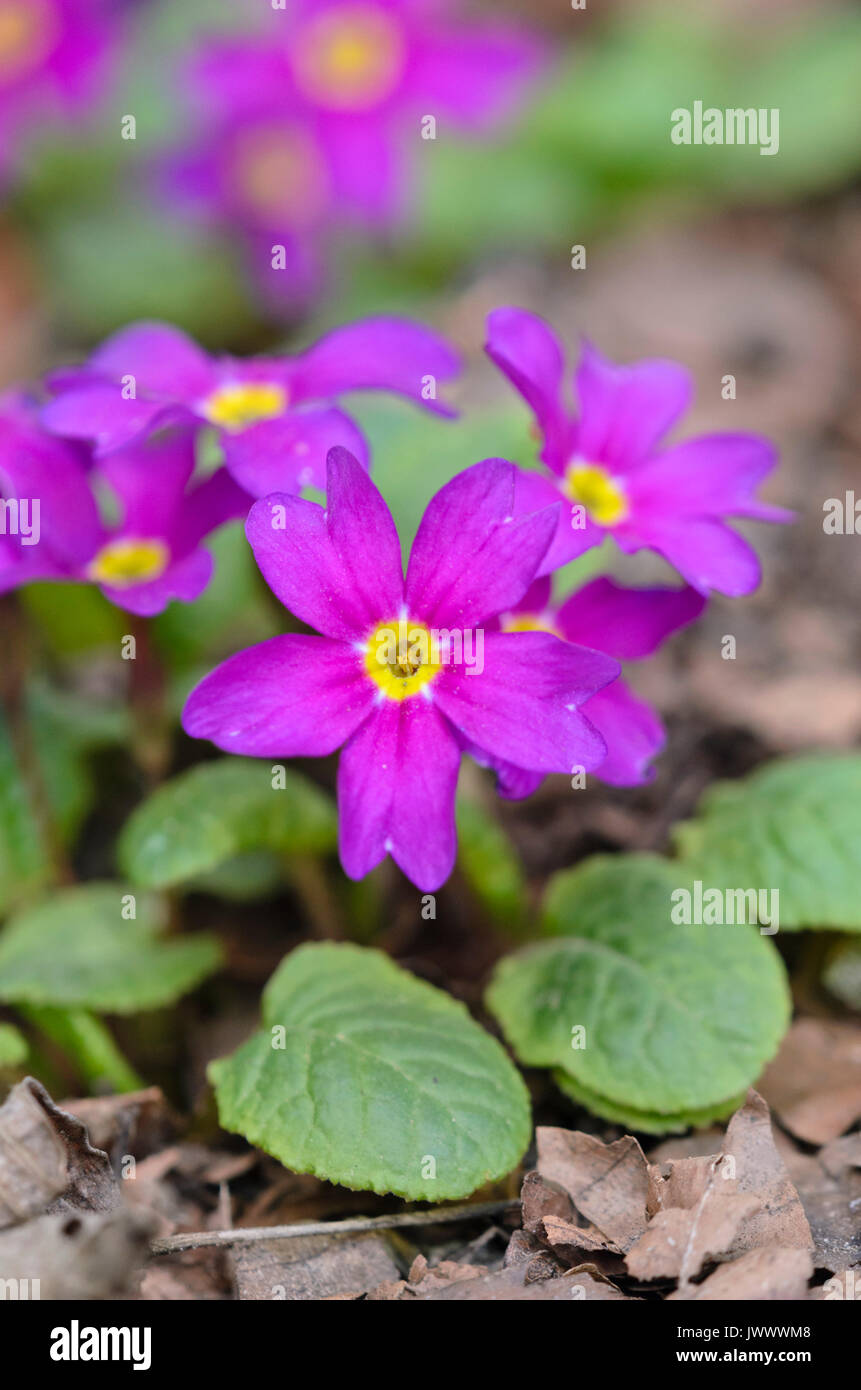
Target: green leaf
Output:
[
  {"x": 217, "y": 811},
  {"x": 379, "y": 1080},
  {"x": 793, "y": 826},
  {"x": 489, "y": 863},
  {"x": 13, "y": 1047},
  {"x": 648, "y": 1121},
  {"x": 25, "y": 863},
  {"x": 675, "y": 1017},
  {"x": 78, "y": 950}
]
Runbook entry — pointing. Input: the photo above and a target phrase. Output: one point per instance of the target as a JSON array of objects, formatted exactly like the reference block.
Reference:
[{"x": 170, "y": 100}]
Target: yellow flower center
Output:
[
  {"x": 278, "y": 174},
  {"x": 27, "y": 31},
  {"x": 349, "y": 58},
  {"x": 128, "y": 561},
  {"x": 595, "y": 489},
  {"x": 399, "y": 658},
  {"x": 528, "y": 622},
  {"x": 238, "y": 404}
]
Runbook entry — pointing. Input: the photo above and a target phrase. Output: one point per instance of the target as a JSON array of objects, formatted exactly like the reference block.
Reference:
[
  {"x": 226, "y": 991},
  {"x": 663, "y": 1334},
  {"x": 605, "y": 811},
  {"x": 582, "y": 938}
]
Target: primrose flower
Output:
[
  {"x": 315, "y": 123},
  {"x": 628, "y": 624},
  {"x": 52, "y": 56},
  {"x": 274, "y": 433},
  {"x": 610, "y": 466},
  {"x": 393, "y": 677},
  {"x": 148, "y": 554}
]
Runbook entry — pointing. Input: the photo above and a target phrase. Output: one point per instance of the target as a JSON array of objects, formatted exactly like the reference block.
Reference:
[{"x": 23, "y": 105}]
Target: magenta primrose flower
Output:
[
  {"x": 628, "y": 624},
  {"x": 274, "y": 432},
  {"x": 616, "y": 476},
  {"x": 149, "y": 554},
  {"x": 403, "y": 675},
  {"x": 315, "y": 124},
  {"x": 52, "y": 56}
]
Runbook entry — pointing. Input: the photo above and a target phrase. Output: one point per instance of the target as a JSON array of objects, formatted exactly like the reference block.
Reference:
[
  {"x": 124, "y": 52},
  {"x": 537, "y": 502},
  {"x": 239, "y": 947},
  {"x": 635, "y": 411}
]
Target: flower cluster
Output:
[
  {"x": 468, "y": 653},
  {"x": 314, "y": 124},
  {"x": 53, "y": 56}
]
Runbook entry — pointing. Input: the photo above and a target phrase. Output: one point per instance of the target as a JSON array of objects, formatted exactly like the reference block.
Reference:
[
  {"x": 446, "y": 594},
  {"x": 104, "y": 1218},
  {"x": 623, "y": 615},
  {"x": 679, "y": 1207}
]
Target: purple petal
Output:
[
  {"x": 184, "y": 580},
  {"x": 369, "y": 171},
  {"x": 471, "y": 558},
  {"x": 476, "y": 77},
  {"x": 632, "y": 731},
  {"x": 537, "y": 599},
  {"x": 708, "y": 554},
  {"x": 150, "y": 479},
  {"x": 163, "y": 361},
  {"x": 396, "y": 787},
  {"x": 208, "y": 505},
  {"x": 533, "y": 491},
  {"x": 629, "y": 624},
  {"x": 625, "y": 411},
  {"x": 35, "y": 467},
  {"x": 292, "y": 696},
  {"x": 513, "y": 783},
  {"x": 715, "y": 475},
  {"x": 528, "y": 352},
  {"x": 288, "y": 454},
  {"x": 100, "y": 413},
  {"x": 338, "y": 570},
  {"x": 386, "y": 354},
  {"x": 523, "y": 705}
]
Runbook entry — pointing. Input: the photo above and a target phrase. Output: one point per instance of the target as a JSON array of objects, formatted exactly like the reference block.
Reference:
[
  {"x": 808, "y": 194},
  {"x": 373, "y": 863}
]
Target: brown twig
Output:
[{"x": 194, "y": 1240}]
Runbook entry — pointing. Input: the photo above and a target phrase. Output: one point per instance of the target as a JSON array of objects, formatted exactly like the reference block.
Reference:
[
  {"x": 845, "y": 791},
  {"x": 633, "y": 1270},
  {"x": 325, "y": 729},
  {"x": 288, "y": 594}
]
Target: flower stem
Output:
[{"x": 151, "y": 733}]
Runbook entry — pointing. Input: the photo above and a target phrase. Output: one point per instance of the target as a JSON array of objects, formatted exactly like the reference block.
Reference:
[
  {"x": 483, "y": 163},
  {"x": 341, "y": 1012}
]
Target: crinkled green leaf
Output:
[
  {"x": 382, "y": 1082},
  {"x": 793, "y": 825},
  {"x": 489, "y": 862},
  {"x": 78, "y": 950},
  {"x": 13, "y": 1046},
  {"x": 648, "y": 1121},
  {"x": 217, "y": 811},
  {"x": 675, "y": 1017}
]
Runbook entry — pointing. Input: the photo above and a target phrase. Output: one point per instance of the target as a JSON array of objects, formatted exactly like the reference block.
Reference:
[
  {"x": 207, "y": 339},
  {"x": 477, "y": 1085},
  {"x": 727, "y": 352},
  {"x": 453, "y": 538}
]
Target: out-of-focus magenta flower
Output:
[
  {"x": 146, "y": 552},
  {"x": 389, "y": 677},
  {"x": 628, "y": 624},
  {"x": 318, "y": 120},
  {"x": 610, "y": 466},
  {"x": 52, "y": 61},
  {"x": 274, "y": 436}
]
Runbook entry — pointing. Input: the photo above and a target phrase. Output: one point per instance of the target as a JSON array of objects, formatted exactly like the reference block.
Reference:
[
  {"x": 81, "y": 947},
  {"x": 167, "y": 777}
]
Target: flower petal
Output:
[
  {"x": 36, "y": 468},
  {"x": 632, "y": 731},
  {"x": 150, "y": 478},
  {"x": 625, "y": 411},
  {"x": 527, "y": 351},
  {"x": 629, "y": 624},
  {"x": 715, "y": 475},
  {"x": 338, "y": 570},
  {"x": 292, "y": 696},
  {"x": 396, "y": 787},
  {"x": 386, "y": 354},
  {"x": 471, "y": 558},
  {"x": 100, "y": 413},
  {"x": 708, "y": 554},
  {"x": 163, "y": 361},
  {"x": 523, "y": 706},
  {"x": 184, "y": 580},
  {"x": 533, "y": 491},
  {"x": 288, "y": 454},
  {"x": 476, "y": 76}
]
